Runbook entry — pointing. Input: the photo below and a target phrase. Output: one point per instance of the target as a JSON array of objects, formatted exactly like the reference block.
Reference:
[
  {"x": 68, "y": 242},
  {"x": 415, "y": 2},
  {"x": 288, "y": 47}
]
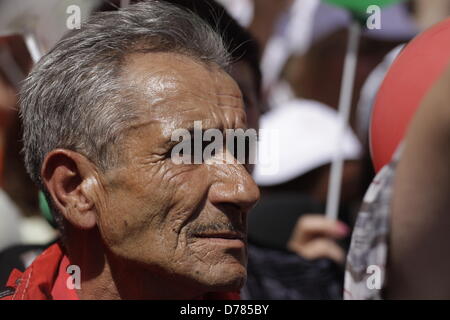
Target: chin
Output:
[{"x": 226, "y": 278}]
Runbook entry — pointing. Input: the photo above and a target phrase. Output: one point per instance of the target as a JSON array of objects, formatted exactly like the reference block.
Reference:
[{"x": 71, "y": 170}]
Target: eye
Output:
[
  {"x": 240, "y": 148},
  {"x": 187, "y": 152}
]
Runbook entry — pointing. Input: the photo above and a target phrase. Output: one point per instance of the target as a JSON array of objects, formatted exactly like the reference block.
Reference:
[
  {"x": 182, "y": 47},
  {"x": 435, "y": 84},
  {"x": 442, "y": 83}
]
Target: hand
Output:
[{"x": 314, "y": 237}]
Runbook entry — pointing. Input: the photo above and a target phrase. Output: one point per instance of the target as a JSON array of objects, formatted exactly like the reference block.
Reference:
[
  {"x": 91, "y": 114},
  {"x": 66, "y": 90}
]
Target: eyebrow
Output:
[{"x": 189, "y": 126}]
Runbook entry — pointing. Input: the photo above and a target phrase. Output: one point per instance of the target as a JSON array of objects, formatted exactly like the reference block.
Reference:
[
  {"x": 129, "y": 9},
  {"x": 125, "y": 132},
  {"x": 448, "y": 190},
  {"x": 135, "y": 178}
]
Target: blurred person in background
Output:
[
  {"x": 419, "y": 255},
  {"x": 316, "y": 75},
  {"x": 402, "y": 228},
  {"x": 399, "y": 244}
]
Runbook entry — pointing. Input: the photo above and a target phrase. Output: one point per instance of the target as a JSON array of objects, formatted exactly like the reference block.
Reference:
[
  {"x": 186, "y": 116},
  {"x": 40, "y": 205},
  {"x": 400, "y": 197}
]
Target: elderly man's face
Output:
[{"x": 186, "y": 222}]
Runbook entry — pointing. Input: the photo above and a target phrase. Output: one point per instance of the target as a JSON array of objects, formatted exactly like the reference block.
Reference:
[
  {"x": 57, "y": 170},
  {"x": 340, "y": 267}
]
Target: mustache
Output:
[{"x": 218, "y": 227}]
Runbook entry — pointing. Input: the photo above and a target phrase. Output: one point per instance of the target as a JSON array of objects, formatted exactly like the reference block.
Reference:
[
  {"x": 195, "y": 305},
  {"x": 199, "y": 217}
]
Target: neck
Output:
[{"x": 105, "y": 276}]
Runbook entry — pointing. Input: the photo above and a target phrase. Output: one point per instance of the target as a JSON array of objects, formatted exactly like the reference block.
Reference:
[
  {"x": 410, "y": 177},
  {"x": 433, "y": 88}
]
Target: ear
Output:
[{"x": 74, "y": 185}]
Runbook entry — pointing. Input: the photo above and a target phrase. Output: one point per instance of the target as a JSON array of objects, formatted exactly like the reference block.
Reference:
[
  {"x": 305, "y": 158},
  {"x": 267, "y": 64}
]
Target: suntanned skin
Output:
[
  {"x": 149, "y": 228},
  {"x": 241, "y": 71},
  {"x": 419, "y": 252}
]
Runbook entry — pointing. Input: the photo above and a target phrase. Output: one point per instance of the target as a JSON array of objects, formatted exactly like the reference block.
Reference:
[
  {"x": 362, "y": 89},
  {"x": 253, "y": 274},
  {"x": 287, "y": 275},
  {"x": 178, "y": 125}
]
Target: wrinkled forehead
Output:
[{"x": 175, "y": 89}]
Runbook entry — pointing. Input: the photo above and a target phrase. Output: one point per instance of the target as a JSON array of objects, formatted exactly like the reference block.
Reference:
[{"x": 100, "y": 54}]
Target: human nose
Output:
[{"x": 234, "y": 185}]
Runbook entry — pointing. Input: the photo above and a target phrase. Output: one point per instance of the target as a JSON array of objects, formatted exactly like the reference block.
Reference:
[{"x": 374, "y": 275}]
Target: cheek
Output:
[
  {"x": 134, "y": 200},
  {"x": 146, "y": 212}
]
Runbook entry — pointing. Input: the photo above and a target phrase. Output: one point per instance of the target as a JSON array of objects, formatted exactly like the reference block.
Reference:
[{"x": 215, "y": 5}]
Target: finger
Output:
[
  {"x": 313, "y": 225},
  {"x": 320, "y": 248}
]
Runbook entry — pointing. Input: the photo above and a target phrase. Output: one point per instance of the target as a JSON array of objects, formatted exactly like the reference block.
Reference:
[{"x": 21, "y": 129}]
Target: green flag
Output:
[{"x": 359, "y": 7}]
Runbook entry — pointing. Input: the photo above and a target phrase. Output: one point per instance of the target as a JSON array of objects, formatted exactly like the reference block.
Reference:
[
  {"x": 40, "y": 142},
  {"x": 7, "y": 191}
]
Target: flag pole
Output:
[{"x": 345, "y": 102}]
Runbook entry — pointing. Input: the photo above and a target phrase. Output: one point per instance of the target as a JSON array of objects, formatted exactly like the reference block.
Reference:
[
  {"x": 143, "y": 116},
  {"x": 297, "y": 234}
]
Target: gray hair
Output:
[{"x": 73, "y": 97}]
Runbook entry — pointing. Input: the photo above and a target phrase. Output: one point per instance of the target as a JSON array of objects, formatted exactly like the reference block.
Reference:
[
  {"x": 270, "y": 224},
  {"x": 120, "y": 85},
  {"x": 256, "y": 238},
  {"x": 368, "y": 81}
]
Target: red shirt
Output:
[{"x": 44, "y": 279}]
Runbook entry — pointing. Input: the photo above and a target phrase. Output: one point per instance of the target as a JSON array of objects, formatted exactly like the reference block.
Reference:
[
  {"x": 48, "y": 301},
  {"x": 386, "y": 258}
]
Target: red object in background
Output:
[{"x": 416, "y": 69}]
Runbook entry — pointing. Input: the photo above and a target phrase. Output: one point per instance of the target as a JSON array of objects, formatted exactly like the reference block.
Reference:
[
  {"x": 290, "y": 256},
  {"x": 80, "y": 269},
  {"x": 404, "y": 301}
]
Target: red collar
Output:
[
  {"x": 44, "y": 279},
  {"x": 60, "y": 290}
]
